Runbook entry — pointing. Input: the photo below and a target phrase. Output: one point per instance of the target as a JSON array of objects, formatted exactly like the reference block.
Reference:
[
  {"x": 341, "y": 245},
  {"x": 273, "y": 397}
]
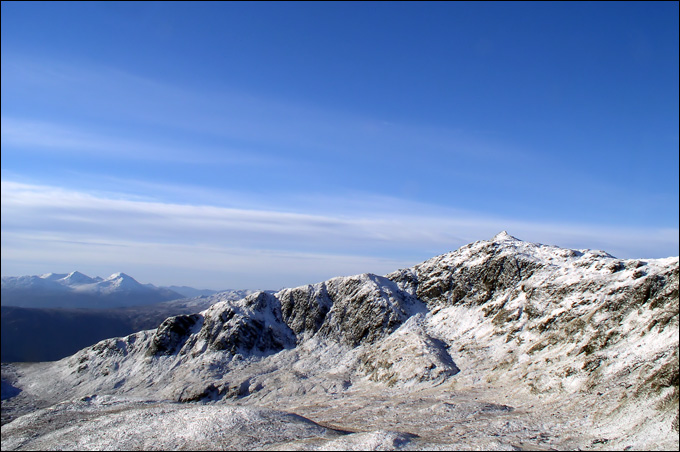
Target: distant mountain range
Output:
[
  {"x": 190, "y": 292},
  {"x": 76, "y": 290},
  {"x": 499, "y": 345}
]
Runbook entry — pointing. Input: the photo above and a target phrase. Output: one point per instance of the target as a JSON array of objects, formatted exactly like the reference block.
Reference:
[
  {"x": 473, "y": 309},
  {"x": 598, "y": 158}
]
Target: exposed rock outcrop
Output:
[
  {"x": 251, "y": 325},
  {"x": 172, "y": 333}
]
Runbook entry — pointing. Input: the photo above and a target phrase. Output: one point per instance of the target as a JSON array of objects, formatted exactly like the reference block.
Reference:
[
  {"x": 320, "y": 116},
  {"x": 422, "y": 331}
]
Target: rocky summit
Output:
[{"x": 499, "y": 345}]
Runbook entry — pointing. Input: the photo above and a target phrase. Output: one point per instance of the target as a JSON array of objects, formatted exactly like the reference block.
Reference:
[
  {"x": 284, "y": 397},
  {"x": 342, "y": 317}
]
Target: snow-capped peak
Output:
[
  {"x": 503, "y": 236},
  {"x": 77, "y": 278},
  {"x": 53, "y": 276},
  {"x": 122, "y": 281}
]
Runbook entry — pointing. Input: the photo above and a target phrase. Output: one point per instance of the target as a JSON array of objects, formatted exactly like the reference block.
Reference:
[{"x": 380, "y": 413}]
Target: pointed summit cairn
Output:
[{"x": 502, "y": 237}]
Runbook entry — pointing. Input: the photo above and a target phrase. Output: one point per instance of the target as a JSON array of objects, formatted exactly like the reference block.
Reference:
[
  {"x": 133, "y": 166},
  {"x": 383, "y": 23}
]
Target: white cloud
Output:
[
  {"x": 221, "y": 114},
  {"x": 55, "y": 229},
  {"x": 48, "y": 209},
  {"x": 45, "y": 135}
]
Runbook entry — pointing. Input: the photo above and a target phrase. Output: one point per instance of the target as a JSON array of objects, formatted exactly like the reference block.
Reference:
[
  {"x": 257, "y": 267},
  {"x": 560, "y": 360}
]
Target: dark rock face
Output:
[
  {"x": 352, "y": 310},
  {"x": 254, "y": 324},
  {"x": 304, "y": 309},
  {"x": 365, "y": 309},
  {"x": 438, "y": 282},
  {"x": 172, "y": 334}
]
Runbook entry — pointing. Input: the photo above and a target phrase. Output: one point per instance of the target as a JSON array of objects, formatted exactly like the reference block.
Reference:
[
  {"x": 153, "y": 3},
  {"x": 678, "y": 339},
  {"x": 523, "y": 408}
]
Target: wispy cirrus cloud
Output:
[
  {"x": 50, "y": 209},
  {"x": 219, "y": 113},
  {"x": 36, "y": 135},
  {"x": 265, "y": 247}
]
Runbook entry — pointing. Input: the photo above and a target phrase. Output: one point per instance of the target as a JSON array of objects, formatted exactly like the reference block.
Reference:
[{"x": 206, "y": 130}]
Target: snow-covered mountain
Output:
[
  {"x": 500, "y": 345},
  {"x": 190, "y": 292},
  {"x": 77, "y": 279},
  {"x": 76, "y": 290}
]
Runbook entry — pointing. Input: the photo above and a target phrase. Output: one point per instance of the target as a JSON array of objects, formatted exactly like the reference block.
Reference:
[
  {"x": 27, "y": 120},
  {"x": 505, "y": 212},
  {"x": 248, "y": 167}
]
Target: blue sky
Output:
[{"x": 268, "y": 145}]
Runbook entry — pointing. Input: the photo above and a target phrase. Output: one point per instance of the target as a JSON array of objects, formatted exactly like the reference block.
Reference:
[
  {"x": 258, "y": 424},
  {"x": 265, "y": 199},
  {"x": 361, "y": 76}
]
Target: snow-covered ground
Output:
[{"x": 500, "y": 345}]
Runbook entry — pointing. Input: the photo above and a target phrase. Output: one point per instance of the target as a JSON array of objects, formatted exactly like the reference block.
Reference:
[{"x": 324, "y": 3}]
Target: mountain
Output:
[
  {"x": 76, "y": 290},
  {"x": 190, "y": 292},
  {"x": 77, "y": 279},
  {"x": 499, "y": 345},
  {"x": 49, "y": 334}
]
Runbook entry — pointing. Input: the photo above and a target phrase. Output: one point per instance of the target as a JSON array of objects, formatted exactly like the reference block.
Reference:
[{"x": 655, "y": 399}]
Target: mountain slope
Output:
[{"x": 500, "y": 335}]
